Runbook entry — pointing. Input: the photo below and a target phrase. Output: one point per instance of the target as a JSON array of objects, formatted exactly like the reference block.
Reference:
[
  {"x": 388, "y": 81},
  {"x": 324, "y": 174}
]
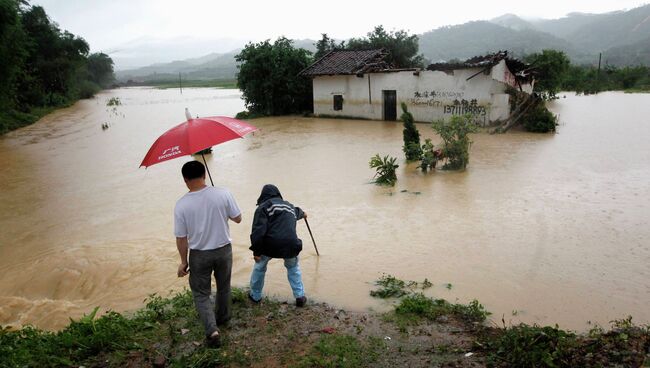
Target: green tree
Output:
[
  {"x": 269, "y": 80},
  {"x": 325, "y": 45},
  {"x": 100, "y": 69},
  {"x": 456, "y": 141},
  {"x": 42, "y": 66},
  {"x": 411, "y": 148},
  {"x": 12, "y": 51},
  {"x": 402, "y": 47},
  {"x": 552, "y": 67},
  {"x": 54, "y": 61}
]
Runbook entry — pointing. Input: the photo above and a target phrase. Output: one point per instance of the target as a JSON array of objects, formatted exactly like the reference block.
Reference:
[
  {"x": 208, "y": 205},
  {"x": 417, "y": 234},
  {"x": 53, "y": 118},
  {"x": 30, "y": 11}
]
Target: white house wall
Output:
[{"x": 431, "y": 95}]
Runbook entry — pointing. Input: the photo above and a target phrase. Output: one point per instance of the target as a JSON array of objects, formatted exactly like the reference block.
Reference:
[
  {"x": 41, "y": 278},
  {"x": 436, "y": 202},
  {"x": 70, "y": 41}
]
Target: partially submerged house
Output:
[{"x": 361, "y": 84}]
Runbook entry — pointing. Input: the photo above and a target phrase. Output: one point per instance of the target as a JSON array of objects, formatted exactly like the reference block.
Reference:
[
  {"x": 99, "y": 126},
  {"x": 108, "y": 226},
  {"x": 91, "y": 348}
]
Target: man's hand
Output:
[
  {"x": 257, "y": 258},
  {"x": 304, "y": 214},
  {"x": 182, "y": 270}
]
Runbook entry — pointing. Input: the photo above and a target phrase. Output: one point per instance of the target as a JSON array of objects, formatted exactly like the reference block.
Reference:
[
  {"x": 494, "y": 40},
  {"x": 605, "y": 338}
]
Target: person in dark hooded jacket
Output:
[{"x": 274, "y": 236}]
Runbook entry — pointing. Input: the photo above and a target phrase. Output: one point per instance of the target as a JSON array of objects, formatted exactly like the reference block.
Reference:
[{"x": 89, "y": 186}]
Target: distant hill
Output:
[
  {"x": 634, "y": 54},
  {"x": 209, "y": 67},
  {"x": 480, "y": 37},
  {"x": 622, "y": 36},
  {"x": 613, "y": 30},
  {"x": 513, "y": 22}
]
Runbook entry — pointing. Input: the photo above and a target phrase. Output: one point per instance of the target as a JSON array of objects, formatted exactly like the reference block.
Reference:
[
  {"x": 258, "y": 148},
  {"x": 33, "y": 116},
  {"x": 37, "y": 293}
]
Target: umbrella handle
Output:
[{"x": 207, "y": 168}]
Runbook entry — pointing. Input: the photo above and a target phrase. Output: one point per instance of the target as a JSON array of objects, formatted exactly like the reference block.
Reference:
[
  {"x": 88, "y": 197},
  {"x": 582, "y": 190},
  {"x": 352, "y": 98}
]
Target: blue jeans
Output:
[{"x": 293, "y": 274}]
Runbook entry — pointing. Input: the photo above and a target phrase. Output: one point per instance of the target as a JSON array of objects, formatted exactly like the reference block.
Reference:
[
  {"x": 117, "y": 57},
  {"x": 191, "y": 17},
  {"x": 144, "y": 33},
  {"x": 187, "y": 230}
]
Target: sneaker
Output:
[
  {"x": 250, "y": 297},
  {"x": 214, "y": 340},
  {"x": 300, "y": 302}
]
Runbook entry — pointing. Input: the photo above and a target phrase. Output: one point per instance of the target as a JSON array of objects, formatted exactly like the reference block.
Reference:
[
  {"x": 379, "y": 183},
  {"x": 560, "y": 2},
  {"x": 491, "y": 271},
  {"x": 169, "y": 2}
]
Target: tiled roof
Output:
[
  {"x": 339, "y": 62},
  {"x": 474, "y": 62},
  {"x": 520, "y": 69}
]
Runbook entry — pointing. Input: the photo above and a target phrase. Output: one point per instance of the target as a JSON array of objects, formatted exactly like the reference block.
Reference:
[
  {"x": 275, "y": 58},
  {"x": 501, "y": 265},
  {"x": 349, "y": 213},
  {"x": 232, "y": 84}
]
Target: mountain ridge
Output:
[{"x": 623, "y": 36}]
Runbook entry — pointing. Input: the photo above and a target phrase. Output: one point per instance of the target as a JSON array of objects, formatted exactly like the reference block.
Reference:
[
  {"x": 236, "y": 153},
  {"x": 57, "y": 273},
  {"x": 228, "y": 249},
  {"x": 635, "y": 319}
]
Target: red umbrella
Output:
[{"x": 193, "y": 136}]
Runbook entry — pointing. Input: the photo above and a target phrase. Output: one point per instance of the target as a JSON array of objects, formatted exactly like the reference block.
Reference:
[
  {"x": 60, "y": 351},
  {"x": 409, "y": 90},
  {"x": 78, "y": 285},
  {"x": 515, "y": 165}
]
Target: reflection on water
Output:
[{"x": 554, "y": 227}]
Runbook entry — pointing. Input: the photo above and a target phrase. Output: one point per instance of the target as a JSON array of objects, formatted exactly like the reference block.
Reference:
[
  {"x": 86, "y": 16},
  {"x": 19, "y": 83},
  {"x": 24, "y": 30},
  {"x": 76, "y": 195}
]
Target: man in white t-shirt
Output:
[{"x": 201, "y": 225}]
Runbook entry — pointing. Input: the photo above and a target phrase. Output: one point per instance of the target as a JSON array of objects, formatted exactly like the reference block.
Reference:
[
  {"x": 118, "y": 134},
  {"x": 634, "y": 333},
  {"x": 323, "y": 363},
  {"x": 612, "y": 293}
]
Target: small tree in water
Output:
[
  {"x": 455, "y": 138},
  {"x": 385, "y": 169},
  {"x": 429, "y": 158},
  {"x": 411, "y": 146}
]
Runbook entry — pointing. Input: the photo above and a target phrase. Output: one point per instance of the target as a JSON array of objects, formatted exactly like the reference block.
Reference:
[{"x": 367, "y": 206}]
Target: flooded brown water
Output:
[{"x": 540, "y": 228}]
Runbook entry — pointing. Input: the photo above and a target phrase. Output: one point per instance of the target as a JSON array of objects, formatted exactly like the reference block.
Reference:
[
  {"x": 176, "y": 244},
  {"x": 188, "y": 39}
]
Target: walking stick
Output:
[{"x": 312, "y": 237}]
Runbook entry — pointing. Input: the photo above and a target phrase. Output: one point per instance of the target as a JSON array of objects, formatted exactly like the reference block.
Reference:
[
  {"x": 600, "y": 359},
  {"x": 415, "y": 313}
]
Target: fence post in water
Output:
[
  {"x": 600, "y": 56},
  {"x": 180, "y": 82}
]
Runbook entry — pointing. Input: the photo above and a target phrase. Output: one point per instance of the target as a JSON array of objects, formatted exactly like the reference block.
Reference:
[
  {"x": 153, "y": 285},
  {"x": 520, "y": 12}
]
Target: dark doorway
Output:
[{"x": 390, "y": 105}]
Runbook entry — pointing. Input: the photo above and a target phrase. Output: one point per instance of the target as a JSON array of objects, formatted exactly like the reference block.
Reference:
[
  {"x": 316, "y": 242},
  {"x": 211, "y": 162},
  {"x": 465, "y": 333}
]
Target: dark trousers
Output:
[{"x": 202, "y": 264}]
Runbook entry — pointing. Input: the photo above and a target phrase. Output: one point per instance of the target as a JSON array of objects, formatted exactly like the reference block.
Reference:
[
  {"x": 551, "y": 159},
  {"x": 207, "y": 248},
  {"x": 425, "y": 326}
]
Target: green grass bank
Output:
[{"x": 419, "y": 331}]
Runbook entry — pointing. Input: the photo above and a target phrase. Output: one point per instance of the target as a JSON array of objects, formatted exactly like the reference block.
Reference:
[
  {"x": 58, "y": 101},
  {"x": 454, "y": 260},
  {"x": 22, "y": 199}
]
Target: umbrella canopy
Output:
[{"x": 193, "y": 136}]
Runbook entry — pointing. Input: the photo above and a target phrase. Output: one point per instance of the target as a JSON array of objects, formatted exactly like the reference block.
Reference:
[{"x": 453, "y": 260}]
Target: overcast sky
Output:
[{"x": 110, "y": 24}]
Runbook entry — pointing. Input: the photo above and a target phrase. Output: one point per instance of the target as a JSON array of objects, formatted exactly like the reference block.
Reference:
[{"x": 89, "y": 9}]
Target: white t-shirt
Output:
[{"x": 203, "y": 215}]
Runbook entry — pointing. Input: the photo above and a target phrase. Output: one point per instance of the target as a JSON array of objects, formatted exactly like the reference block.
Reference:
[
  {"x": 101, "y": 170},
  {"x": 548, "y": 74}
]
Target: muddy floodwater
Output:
[{"x": 540, "y": 228}]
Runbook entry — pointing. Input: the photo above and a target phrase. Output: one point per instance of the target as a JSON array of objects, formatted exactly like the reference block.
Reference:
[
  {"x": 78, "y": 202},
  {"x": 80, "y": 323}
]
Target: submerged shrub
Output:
[
  {"x": 412, "y": 151},
  {"x": 455, "y": 138},
  {"x": 531, "y": 346},
  {"x": 420, "y": 305},
  {"x": 390, "y": 287},
  {"x": 429, "y": 158},
  {"x": 539, "y": 119},
  {"x": 385, "y": 168}
]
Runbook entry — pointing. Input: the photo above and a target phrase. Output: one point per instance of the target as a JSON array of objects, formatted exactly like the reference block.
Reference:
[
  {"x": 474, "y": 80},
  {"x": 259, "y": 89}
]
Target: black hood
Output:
[{"x": 269, "y": 191}]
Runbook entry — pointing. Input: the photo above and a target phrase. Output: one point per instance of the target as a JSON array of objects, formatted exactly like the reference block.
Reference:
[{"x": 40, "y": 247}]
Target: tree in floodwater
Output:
[
  {"x": 268, "y": 77},
  {"x": 402, "y": 48},
  {"x": 411, "y": 135},
  {"x": 100, "y": 69},
  {"x": 552, "y": 67},
  {"x": 455, "y": 140}
]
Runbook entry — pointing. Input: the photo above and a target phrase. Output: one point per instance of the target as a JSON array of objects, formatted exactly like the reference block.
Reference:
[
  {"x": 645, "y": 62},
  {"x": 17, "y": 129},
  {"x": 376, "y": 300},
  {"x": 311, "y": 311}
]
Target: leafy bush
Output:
[
  {"x": 246, "y": 115},
  {"x": 269, "y": 77},
  {"x": 429, "y": 159},
  {"x": 412, "y": 151},
  {"x": 456, "y": 142},
  {"x": 419, "y": 305},
  {"x": 391, "y": 287},
  {"x": 539, "y": 119},
  {"x": 531, "y": 346},
  {"x": 87, "y": 89},
  {"x": 114, "y": 101},
  {"x": 385, "y": 169},
  {"x": 411, "y": 136}
]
